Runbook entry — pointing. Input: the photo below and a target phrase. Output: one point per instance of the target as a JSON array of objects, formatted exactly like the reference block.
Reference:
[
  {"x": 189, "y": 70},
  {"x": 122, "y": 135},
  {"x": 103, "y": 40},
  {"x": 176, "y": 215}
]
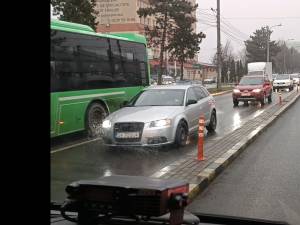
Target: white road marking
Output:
[{"x": 74, "y": 145}]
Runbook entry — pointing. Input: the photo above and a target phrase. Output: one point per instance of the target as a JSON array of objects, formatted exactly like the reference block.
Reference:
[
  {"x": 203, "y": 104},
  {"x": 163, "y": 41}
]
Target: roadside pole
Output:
[{"x": 201, "y": 138}]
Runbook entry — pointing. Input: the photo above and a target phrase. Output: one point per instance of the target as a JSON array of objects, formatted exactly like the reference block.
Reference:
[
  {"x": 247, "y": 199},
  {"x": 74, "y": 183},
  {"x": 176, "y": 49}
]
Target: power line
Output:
[
  {"x": 233, "y": 34},
  {"x": 234, "y": 28},
  {"x": 230, "y": 28},
  {"x": 259, "y": 18},
  {"x": 241, "y": 43}
]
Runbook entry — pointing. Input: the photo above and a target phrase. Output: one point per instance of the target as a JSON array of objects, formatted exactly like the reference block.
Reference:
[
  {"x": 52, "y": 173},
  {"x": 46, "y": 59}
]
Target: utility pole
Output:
[
  {"x": 218, "y": 45},
  {"x": 268, "y": 45}
]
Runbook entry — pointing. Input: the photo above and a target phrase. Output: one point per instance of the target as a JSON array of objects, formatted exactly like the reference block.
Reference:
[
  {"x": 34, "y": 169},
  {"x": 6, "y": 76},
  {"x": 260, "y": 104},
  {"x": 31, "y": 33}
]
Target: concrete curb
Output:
[
  {"x": 219, "y": 165},
  {"x": 221, "y": 93}
]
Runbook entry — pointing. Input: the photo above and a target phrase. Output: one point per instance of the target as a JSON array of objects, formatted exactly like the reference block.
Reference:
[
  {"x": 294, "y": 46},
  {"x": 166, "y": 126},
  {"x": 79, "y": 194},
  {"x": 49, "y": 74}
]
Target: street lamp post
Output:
[
  {"x": 284, "y": 60},
  {"x": 268, "y": 41}
]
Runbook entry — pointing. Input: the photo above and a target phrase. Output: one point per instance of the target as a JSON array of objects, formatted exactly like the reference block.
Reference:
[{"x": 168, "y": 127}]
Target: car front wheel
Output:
[
  {"x": 213, "y": 122},
  {"x": 263, "y": 100},
  {"x": 181, "y": 134},
  {"x": 270, "y": 98},
  {"x": 235, "y": 103}
]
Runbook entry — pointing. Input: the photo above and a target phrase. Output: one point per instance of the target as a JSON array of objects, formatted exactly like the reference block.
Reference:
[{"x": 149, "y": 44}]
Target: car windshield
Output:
[
  {"x": 282, "y": 77},
  {"x": 251, "y": 81},
  {"x": 160, "y": 97}
]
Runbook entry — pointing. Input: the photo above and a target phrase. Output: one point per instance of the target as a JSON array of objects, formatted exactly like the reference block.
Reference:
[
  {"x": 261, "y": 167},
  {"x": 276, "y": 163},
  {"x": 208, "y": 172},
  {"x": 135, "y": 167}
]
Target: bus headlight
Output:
[{"x": 106, "y": 124}]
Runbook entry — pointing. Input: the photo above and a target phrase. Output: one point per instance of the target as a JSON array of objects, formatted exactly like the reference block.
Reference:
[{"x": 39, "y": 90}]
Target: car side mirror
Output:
[{"x": 191, "y": 101}]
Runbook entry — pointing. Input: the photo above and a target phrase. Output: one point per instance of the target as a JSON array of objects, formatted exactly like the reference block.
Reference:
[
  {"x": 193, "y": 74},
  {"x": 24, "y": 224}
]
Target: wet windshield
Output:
[
  {"x": 282, "y": 77},
  {"x": 256, "y": 73},
  {"x": 188, "y": 90},
  {"x": 160, "y": 98},
  {"x": 251, "y": 81}
]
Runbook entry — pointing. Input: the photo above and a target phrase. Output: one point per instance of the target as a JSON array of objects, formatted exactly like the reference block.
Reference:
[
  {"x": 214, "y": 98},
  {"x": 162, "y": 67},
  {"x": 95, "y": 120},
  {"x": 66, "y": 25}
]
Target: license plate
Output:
[
  {"x": 245, "y": 94},
  {"x": 127, "y": 135}
]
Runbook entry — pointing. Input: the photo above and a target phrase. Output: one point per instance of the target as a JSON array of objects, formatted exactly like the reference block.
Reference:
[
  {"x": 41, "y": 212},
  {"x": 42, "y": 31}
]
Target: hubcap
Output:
[
  {"x": 182, "y": 135},
  {"x": 96, "y": 120}
]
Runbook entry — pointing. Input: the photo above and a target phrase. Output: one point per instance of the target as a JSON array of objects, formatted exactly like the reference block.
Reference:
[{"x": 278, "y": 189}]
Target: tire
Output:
[
  {"x": 270, "y": 97},
  {"x": 246, "y": 103},
  {"x": 274, "y": 90},
  {"x": 94, "y": 118},
  {"x": 235, "y": 103},
  {"x": 213, "y": 122},
  {"x": 263, "y": 100},
  {"x": 181, "y": 134},
  {"x": 290, "y": 89}
]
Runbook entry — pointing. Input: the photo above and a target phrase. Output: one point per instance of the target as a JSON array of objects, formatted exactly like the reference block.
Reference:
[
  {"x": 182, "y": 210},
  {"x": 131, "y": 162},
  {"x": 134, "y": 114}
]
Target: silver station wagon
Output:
[{"x": 160, "y": 115}]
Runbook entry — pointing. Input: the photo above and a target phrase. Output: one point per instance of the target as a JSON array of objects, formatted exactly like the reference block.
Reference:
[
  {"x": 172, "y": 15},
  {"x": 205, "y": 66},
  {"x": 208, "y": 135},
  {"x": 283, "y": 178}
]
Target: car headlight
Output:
[
  {"x": 161, "y": 123},
  {"x": 106, "y": 124},
  {"x": 236, "y": 91},
  {"x": 256, "y": 90}
]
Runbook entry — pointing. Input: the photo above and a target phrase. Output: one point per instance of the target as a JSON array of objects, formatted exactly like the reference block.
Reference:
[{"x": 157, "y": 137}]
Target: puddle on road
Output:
[{"x": 236, "y": 120}]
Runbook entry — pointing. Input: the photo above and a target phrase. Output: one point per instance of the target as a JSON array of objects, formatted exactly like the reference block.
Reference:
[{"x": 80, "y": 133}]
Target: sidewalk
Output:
[{"x": 220, "y": 153}]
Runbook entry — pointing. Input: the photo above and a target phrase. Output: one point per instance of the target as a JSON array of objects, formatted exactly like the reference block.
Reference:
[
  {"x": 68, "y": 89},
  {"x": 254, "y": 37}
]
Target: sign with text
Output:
[{"x": 116, "y": 11}]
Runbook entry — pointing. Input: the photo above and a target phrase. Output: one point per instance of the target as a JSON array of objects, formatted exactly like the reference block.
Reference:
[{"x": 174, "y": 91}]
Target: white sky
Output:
[
  {"x": 240, "y": 14},
  {"x": 266, "y": 12}
]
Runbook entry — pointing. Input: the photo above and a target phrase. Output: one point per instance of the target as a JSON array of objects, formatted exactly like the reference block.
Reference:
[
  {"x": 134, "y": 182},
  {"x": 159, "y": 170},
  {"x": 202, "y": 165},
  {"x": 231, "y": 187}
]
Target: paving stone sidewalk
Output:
[{"x": 196, "y": 172}]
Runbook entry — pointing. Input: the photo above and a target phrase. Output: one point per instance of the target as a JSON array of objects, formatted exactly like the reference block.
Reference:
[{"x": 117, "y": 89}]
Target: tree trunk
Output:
[
  {"x": 181, "y": 71},
  {"x": 162, "y": 49}
]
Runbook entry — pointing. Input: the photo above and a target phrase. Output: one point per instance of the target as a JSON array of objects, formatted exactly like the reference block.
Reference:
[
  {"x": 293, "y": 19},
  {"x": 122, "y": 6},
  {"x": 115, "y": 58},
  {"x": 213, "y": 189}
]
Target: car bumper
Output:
[
  {"x": 150, "y": 137},
  {"x": 251, "y": 97},
  {"x": 281, "y": 85}
]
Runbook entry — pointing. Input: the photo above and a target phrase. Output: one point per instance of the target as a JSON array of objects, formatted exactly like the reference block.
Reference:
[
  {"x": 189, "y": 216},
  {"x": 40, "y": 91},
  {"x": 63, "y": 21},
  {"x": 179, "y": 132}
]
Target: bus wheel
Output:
[{"x": 94, "y": 118}]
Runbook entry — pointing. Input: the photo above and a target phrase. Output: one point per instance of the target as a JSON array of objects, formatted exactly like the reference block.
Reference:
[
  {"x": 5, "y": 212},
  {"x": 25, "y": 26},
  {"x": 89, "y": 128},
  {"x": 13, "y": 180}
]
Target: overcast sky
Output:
[{"x": 247, "y": 16}]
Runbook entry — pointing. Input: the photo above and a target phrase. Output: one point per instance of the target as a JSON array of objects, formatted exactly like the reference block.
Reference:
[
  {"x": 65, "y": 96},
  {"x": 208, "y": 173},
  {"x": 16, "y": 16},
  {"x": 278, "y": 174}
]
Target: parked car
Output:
[
  {"x": 185, "y": 82},
  {"x": 167, "y": 79},
  {"x": 160, "y": 115},
  {"x": 252, "y": 88},
  {"x": 296, "y": 78},
  {"x": 209, "y": 81},
  {"x": 283, "y": 81}
]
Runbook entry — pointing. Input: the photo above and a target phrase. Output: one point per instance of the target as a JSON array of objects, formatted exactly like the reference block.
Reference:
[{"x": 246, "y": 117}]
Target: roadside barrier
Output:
[
  {"x": 280, "y": 99},
  {"x": 201, "y": 138}
]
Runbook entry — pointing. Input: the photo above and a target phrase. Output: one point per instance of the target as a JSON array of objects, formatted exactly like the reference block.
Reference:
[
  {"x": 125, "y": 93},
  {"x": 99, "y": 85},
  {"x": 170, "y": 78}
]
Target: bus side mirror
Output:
[{"x": 125, "y": 103}]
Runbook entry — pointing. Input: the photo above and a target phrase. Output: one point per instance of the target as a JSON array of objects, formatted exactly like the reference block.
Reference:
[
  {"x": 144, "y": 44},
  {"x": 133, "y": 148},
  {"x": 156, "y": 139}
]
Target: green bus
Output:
[{"x": 92, "y": 74}]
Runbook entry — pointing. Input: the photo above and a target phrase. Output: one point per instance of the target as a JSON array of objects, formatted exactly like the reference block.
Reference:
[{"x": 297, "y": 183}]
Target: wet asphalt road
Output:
[
  {"x": 264, "y": 181},
  {"x": 91, "y": 160}
]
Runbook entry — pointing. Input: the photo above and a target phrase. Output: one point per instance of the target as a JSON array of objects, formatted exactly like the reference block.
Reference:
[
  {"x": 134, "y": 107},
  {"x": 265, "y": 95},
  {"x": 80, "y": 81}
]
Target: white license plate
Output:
[
  {"x": 245, "y": 94},
  {"x": 127, "y": 135}
]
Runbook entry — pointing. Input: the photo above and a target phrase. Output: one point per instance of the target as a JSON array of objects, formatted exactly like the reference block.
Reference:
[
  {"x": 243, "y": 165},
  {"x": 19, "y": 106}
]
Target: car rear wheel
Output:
[
  {"x": 213, "y": 122},
  {"x": 181, "y": 134},
  {"x": 94, "y": 118}
]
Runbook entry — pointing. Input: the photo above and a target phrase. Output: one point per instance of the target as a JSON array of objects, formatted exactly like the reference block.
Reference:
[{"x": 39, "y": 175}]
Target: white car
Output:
[
  {"x": 283, "y": 81},
  {"x": 296, "y": 78}
]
